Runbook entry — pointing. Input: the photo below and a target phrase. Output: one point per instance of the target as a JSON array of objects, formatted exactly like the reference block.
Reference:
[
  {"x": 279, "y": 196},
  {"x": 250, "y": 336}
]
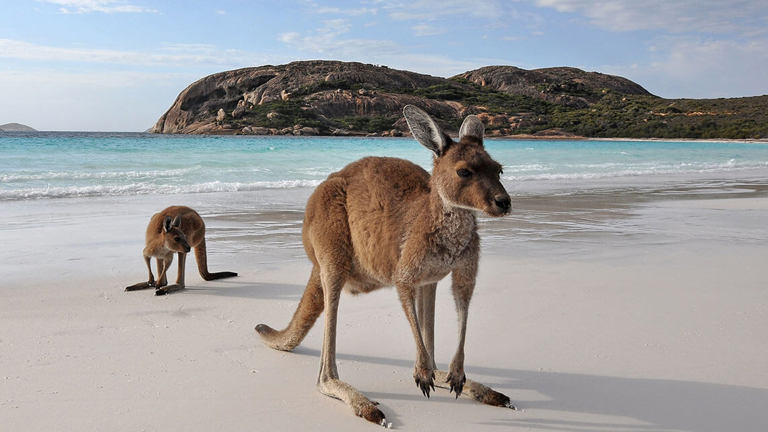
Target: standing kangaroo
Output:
[
  {"x": 176, "y": 229},
  {"x": 385, "y": 221}
]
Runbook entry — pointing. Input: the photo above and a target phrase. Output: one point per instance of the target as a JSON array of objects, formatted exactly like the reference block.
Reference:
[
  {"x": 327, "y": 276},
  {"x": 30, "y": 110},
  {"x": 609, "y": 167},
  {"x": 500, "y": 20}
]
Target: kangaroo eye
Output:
[
  {"x": 463, "y": 172},
  {"x": 178, "y": 239}
]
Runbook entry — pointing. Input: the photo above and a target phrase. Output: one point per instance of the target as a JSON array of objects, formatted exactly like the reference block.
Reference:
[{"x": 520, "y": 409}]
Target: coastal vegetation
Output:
[{"x": 340, "y": 98}]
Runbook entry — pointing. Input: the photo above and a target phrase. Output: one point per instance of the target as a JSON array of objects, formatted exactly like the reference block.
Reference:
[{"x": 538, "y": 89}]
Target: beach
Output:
[{"x": 596, "y": 311}]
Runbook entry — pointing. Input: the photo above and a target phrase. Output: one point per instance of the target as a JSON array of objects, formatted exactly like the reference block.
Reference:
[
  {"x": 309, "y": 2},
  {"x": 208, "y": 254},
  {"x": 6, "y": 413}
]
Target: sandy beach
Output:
[{"x": 637, "y": 313}]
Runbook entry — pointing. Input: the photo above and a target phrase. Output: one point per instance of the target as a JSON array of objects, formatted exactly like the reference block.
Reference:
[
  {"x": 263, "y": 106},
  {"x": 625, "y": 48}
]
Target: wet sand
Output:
[{"x": 600, "y": 311}]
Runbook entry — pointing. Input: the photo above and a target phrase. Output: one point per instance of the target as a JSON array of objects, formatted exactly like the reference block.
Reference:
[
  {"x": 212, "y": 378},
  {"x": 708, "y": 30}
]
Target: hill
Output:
[
  {"x": 342, "y": 98},
  {"x": 16, "y": 127}
]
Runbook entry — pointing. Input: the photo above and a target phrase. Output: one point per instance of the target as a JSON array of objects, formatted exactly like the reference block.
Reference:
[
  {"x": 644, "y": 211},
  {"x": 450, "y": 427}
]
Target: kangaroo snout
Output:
[{"x": 503, "y": 202}]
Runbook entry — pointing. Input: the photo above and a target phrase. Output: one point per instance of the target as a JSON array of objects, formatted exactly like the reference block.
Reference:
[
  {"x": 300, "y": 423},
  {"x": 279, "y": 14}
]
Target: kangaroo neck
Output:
[{"x": 449, "y": 219}]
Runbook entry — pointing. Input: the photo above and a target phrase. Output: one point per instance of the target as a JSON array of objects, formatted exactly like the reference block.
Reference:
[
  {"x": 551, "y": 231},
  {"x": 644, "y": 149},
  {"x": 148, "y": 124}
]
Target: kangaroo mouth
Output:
[
  {"x": 496, "y": 212},
  {"x": 499, "y": 208}
]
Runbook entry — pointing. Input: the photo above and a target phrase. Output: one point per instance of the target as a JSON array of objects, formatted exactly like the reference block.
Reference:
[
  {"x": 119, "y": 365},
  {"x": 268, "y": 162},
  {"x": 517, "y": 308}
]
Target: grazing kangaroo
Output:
[
  {"x": 176, "y": 229},
  {"x": 385, "y": 221}
]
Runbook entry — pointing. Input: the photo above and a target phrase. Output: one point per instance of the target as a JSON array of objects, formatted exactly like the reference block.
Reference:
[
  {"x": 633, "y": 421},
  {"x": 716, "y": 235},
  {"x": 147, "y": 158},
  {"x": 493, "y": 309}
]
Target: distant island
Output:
[
  {"x": 16, "y": 127},
  {"x": 344, "y": 98}
]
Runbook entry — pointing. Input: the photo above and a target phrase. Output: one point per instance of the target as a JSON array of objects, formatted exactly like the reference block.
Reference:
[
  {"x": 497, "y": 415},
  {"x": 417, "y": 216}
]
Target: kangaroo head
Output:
[
  {"x": 173, "y": 238},
  {"x": 464, "y": 174}
]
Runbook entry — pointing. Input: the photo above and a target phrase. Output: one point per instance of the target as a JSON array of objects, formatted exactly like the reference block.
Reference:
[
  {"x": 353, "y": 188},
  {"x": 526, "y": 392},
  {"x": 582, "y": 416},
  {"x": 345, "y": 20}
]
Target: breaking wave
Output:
[{"x": 147, "y": 189}]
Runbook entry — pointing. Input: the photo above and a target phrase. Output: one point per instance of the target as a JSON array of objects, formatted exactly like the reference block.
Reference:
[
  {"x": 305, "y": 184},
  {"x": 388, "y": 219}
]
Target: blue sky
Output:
[{"x": 117, "y": 65}]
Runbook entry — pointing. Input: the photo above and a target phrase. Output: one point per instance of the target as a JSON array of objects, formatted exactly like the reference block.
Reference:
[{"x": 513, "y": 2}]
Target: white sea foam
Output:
[
  {"x": 102, "y": 175},
  {"x": 584, "y": 172},
  {"x": 145, "y": 189}
]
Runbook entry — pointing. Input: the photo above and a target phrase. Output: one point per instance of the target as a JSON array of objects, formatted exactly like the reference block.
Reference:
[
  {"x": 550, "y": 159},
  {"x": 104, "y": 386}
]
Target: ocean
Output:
[{"x": 53, "y": 165}]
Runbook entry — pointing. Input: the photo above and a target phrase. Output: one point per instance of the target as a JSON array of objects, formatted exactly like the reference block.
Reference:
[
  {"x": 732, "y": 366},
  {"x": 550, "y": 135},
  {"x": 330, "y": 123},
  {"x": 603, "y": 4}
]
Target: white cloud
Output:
[
  {"x": 347, "y": 11},
  {"x": 703, "y": 16},
  {"x": 103, "y": 6},
  {"x": 427, "y": 30},
  {"x": 433, "y": 9},
  {"x": 696, "y": 48},
  {"x": 326, "y": 41},
  {"x": 437, "y": 65},
  {"x": 170, "y": 55},
  {"x": 694, "y": 68}
]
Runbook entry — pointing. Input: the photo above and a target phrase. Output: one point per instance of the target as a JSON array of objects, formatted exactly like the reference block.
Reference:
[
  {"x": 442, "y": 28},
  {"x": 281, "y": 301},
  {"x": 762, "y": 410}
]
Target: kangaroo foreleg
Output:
[
  {"x": 423, "y": 373},
  {"x": 425, "y": 307},
  {"x": 150, "y": 283},
  {"x": 179, "y": 285},
  {"x": 463, "y": 285},
  {"x": 162, "y": 267}
]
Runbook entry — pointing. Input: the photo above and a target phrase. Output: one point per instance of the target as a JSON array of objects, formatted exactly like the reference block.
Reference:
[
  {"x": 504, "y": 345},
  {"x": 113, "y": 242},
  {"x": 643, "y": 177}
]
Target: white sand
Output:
[{"x": 612, "y": 334}]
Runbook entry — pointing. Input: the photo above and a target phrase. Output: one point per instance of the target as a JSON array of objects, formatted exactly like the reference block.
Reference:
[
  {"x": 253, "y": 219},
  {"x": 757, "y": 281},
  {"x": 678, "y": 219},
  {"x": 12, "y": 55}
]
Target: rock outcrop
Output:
[
  {"x": 326, "y": 89},
  {"x": 561, "y": 85},
  {"x": 342, "y": 98},
  {"x": 16, "y": 127}
]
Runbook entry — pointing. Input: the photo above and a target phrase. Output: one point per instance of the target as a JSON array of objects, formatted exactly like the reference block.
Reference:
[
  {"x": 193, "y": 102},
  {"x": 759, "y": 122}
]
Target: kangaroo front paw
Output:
[
  {"x": 456, "y": 380},
  {"x": 425, "y": 379}
]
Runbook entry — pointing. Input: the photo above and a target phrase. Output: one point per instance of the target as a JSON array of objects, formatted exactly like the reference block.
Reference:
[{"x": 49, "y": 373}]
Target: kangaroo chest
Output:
[{"x": 445, "y": 245}]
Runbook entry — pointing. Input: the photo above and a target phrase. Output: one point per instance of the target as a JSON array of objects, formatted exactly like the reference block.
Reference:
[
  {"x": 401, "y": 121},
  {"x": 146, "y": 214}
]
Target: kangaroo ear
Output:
[
  {"x": 472, "y": 126},
  {"x": 425, "y": 130},
  {"x": 176, "y": 221},
  {"x": 167, "y": 224}
]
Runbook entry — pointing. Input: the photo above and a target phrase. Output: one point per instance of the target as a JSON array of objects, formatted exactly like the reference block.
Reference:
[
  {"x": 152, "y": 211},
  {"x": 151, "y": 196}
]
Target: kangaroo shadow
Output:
[
  {"x": 251, "y": 290},
  {"x": 657, "y": 404}
]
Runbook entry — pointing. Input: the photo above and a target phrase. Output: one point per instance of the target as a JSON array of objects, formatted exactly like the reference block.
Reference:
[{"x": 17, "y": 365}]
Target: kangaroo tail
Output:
[
  {"x": 310, "y": 307},
  {"x": 202, "y": 264}
]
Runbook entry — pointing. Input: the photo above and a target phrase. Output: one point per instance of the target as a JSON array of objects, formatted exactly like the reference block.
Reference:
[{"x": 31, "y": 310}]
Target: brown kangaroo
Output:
[
  {"x": 176, "y": 229},
  {"x": 385, "y": 221}
]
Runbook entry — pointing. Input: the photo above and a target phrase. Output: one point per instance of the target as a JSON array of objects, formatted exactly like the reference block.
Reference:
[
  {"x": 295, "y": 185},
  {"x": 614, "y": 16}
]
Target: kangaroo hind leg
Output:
[{"x": 328, "y": 382}]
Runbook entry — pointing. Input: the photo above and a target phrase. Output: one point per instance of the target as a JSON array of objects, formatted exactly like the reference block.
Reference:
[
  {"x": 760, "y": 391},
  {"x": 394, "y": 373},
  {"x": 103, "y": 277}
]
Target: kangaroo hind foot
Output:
[
  {"x": 476, "y": 391},
  {"x": 140, "y": 286}
]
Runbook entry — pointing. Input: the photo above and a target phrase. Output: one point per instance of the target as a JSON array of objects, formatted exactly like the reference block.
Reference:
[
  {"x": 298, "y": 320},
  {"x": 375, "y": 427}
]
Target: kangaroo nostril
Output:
[{"x": 503, "y": 202}]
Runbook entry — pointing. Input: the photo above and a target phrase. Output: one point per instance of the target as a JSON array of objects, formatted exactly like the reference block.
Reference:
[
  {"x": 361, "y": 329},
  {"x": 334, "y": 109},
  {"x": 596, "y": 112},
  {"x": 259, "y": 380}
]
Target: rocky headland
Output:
[{"x": 344, "y": 98}]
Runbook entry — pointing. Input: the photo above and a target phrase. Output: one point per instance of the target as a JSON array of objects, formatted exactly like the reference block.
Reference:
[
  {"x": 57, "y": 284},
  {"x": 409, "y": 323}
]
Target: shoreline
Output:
[{"x": 520, "y": 137}]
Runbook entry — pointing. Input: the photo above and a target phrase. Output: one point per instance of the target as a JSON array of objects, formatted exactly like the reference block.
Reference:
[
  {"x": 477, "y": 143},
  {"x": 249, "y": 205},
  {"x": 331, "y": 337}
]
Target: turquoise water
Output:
[{"x": 61, "y": 165}]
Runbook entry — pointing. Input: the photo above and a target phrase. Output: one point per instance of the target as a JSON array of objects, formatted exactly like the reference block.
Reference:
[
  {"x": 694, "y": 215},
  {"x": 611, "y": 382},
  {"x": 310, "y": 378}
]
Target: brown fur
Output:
[
  {"x": 176, "y": 229},
  {"x": 386, "y": 222}
]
